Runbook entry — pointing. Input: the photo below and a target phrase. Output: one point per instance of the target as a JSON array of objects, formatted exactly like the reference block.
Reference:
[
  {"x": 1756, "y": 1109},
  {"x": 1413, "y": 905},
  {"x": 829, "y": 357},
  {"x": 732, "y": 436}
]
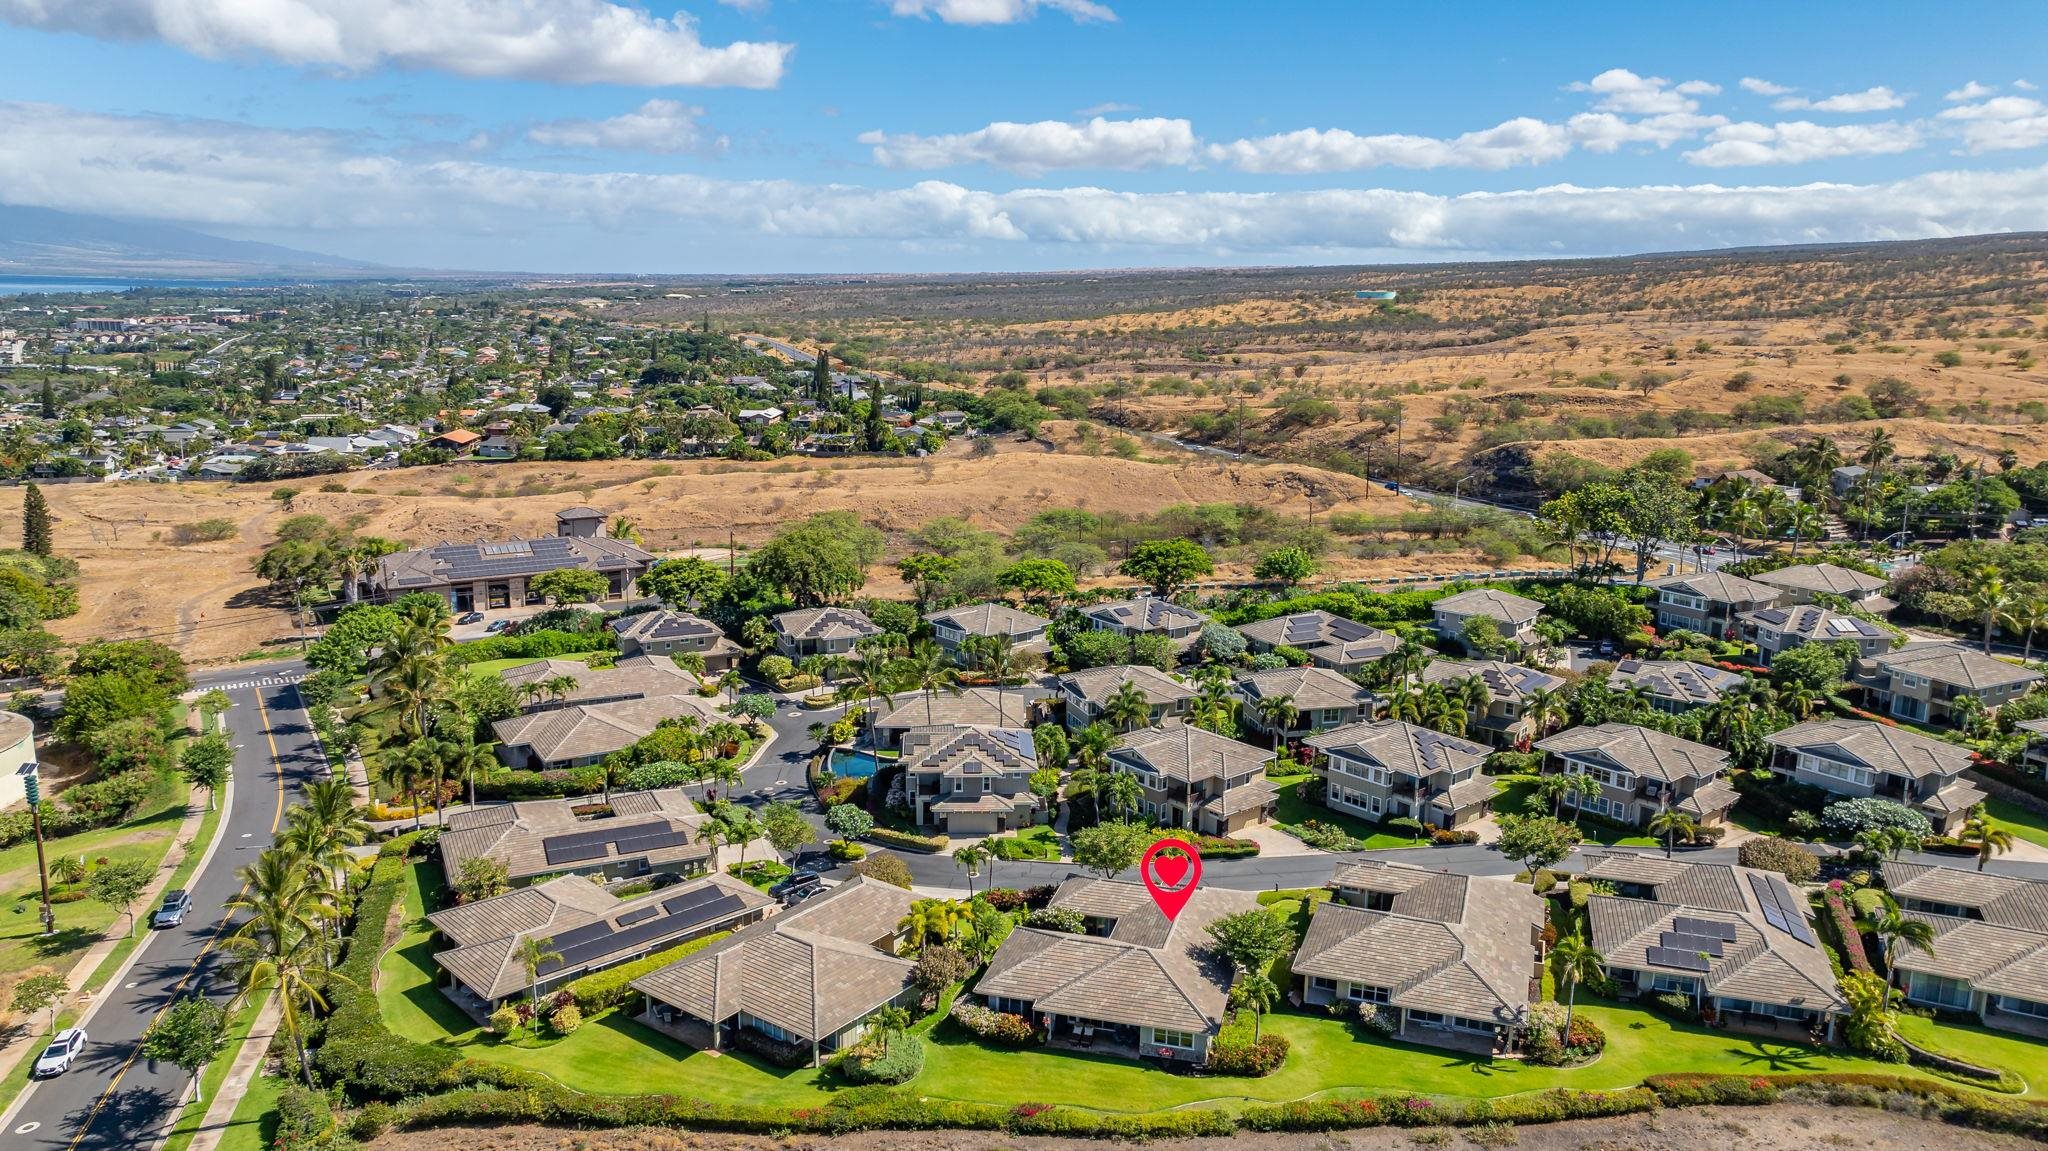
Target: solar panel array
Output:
[
  {"x": 1679, "y": 941},
  {"x": 1674, "y": 958},
  {"x": 637, "y": 839},
  {"x": 1782, "y": 908},
  {"x": 594, "y": 941},
  {"x": 641, "y": 916},
  {"x": 1708, "y": 928}
]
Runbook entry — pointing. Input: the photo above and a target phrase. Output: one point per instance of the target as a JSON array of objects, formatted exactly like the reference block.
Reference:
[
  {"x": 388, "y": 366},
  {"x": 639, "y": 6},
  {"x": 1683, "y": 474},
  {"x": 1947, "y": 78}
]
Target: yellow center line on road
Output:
[{"x": 276, "y": 817}]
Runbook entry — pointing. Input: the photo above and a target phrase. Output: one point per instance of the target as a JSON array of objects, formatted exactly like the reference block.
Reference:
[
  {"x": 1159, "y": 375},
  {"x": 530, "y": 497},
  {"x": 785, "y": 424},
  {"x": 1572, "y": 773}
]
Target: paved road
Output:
[{"x": 114, "y": 1100}]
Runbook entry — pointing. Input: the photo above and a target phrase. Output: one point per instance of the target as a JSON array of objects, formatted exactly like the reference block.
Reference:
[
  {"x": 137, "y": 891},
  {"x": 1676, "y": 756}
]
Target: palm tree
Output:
[
  {"x": 562, "y": 687},
  {"x": 1991, "y": 839},
  {"x": 732, "y": 681},
  {"x": 928, "y": 670},
  {"x": 1123, "y": 790},
  {"x": 1990, "y": 600},
  {"x": 969, "y": 859},
  {"x": 1546, "y": 708},
  {"x": 742, "y": 827},
  {"x": 1127, "y": 708},
  {"x": 931, "y": 921},
  {"x": 404, "y": 772},
  {"x": 1579, "y": 785},
  {"x": 623, "y": 529},
  {"x": 1001, "y": 660},
  {"x": 1255, "y": 991},
  {"x": 2027, "y": 616},
  {"x": 535, "y": 953},
  {"x": 1672, "y": 823},
  {"x": 871, "y": 681},
  {"x": 1577, "y": 960},
  {"x": 1473, "y": 695},
  {"x": 470, "y": 759},
  {"x": 1800, "y": 699},
  {"x": 1805, "y": 522},
  {"x": 1878, "y": 450},
  {"x": 1896, "y": 931},
  {"x": 281, "y": 945},
  {"x": 324, "y": 825},
  {"x": 1092, "y": 745},
  {"x": 1278, "y": 713}
]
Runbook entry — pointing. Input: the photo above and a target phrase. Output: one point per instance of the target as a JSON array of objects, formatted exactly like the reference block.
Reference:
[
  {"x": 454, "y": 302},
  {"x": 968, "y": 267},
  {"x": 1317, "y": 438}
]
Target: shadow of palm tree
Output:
[{"x": 1777, "y": 1056}]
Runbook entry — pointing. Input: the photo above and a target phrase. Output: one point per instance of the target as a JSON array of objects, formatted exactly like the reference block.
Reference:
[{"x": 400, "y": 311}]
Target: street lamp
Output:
[{"x": 32, "y": 788}]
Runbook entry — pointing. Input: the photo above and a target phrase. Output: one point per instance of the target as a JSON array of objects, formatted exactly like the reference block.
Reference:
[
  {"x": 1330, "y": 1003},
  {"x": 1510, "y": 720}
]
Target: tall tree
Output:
[
  {"x": 35, "y": 521},
  {"x": 821, "y": 376},
  {"x": 1577, "y": 961}
]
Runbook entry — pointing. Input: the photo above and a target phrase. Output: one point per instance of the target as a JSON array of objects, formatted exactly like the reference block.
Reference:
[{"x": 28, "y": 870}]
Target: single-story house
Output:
[
  {"x": 580, "y": 734},
  {"x": 639, "y": 834},
  {"x": 1990, "y": 952},
  {"x": 498, "y": 574}
]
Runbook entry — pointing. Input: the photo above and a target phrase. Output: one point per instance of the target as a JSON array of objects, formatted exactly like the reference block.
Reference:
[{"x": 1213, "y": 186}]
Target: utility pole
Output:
[{"x": 33, "y": 789}]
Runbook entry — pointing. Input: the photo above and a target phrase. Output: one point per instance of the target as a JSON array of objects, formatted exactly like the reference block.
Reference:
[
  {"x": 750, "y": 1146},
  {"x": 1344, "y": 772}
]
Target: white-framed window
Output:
[
  {"x": 1323, "y": 983},
  {"x": 1831, "y": 769},
  {"x": 1371, "y": 773},
  {"x": 1937, "y": 991},
  {"x": 1366, "y": 993},
  {"x": 1163, "y": 1037},
  {"x": 2012, "y": 1005},
  {"x": 1610, "y": 777},
  {"x": 1910, "y": 682}
]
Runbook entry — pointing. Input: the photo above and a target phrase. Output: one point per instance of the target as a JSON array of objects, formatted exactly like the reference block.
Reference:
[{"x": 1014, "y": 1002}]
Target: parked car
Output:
[
  {"x": 497, "y": 625},
  {"x": 797, "y": 888},
  {"x": 1606, "y": 647},
  {"x": 470, "y": 617},
  {"x": 176, "y": 903},
  {"x": 63, "y": 1050}
]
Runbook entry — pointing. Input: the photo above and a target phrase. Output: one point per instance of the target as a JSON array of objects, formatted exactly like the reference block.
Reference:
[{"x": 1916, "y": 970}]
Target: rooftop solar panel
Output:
[
  {"x": 641, "y": 916},
  {"x": 1678, "y": 941},
  {"x": 1680, "y": 960},
  {"x": 572, "y": 853},
  {"x": 1710, "y": 928},
  {"x": 695, "y": 897},
  {"x": 652, "y": 841}
]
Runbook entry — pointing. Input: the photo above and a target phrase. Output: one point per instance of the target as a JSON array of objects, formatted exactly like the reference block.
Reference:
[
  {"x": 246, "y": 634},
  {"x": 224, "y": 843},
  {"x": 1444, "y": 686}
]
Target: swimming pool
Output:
[{"x": 851, "y": 764}]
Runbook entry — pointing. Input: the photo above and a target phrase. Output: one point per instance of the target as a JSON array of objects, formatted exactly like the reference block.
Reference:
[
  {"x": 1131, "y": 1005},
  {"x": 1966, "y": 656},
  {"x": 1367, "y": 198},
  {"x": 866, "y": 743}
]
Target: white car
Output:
[{"x": 63, "y": 1050}]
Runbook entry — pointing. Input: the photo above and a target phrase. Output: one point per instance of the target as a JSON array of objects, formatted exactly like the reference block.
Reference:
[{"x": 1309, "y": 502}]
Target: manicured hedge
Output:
[
  {"x": 531, "y": 645},
  {"x": 1419, "y": 1111},
  {"x": 612, "y": 987},
  {"x": 907, "y": 841}
]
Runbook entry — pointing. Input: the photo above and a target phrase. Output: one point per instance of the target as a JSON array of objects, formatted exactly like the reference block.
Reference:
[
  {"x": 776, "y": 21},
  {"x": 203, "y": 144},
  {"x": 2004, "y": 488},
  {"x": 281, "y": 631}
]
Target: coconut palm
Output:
[
  {"x": 969, "y": 859},
  {"x": 1254, "y": 991},
  {"x": 1897, "y": 931},
  {"x": 871, "y": 681},
  {"x": 533, "y": 954},
  {"x": 1121, "y": 789},
  {"x": 742, "y": 827},
  {"x": 1546, "y": 708},
  {"x": 1990, "y": 600},
  {"x": 1991, "y": 840},
  {"x": 1672, "y": 823},
  {"x": 281, "y": 947},
  {"x": 2027, "y": 616},
  {"x": 1472, "y": 694},
  {"x": 1092, "y": 745},
  {"x": 1878, "y": 450},
  {"x": 1799, "y": 699},
  {"x": 928, "y": 670},
  {"x": 931, "y": 921},
  {"x": 1127, "y": 708},
  {"x": 1576, "y": 961},
  {"x": 561, "y": 687},
  {"x": 324, "y": 825},
  {"x": 1278, "y": 713}
]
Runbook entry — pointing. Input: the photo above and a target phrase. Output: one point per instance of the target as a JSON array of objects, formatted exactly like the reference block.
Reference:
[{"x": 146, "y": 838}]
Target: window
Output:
[
  {"x": 2014, "y": 1006},
  {"x": 1431, "y": 1018},
  {"x": 1184, "y": 1040},
  {"x": 1910, "y": 682},
  {"x": 1933, "y": 989},
  {"x": 1320, "y": 983},
  {"x": 1608, "y": 777},
  {"x": 1010, "y": 1006},
  {"x": 1371, "y": 773},
  {"x": 1365, "y": 992},
  {"x": 1829, "y": 768},
  {"x": 1677, "y": 983}
]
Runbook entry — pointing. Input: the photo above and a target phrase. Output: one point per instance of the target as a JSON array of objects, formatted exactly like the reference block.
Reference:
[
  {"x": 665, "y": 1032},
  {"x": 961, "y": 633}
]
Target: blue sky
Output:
[{"x": 933, "y": 135}]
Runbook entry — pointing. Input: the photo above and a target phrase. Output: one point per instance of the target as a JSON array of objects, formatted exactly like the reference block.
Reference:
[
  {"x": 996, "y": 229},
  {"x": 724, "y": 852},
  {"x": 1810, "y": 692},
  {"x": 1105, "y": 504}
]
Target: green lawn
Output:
[
  {"x": 215, "y": 1074},
  {"x": 255, "y": 1119},
  {"x": 500, "y": 666},
  {"x": 1040, "y": 842},
  {"x": 2023, "y": 824},
  {"x": 1512, "y": 797},
  {"x": 1292, "y": 811},
  {"x": 2026, "y": 1058}
]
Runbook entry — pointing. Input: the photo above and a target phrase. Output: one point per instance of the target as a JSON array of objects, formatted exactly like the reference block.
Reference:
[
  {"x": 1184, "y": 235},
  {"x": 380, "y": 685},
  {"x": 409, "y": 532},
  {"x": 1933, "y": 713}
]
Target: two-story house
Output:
[
  {"x": 1802, "y": 582},
  {"x": 1780, "y": 629},
  {"x": 1085, "y": 692},
  {"x": 1315, "y": 699},
  {"x": 1642, "y": 772},
  {"x": 1195, "y": 779},
  {"x": 1854, "y": 757},
  {"x": 953, "y": 627},
  {"x": 1922, "y": 681},
  {"x": 1331, "y": 641},
  {"x": 970, "y": 780},
  {"x": 1708, "y": 602},
  {"x": 1391, "y": 769},
  {"x": 1504, "y": 721},
  {"x": 1674, "y": 685},
  {"x": 821, "y": 631},
  {"x": 1148, "y": 615},
  {"x": 1515, "y": 615},
  {"x": 674, "y": 633}
]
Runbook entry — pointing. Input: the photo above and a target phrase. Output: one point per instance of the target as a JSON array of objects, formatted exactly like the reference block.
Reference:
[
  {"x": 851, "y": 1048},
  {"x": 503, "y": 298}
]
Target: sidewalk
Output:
[
  {"x": 29, "y": 1038},
  {"x": 220, "y": 1110}
]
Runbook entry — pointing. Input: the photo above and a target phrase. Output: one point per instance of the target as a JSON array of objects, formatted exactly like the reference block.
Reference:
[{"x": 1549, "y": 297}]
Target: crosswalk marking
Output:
[{"x": 266, "y": 681}]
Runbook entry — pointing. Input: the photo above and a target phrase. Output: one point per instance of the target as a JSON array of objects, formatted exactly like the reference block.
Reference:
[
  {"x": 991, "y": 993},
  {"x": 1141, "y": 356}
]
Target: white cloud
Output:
[
  {"x": 1621, "y": 90},
  {"x": 321, "y": 190},
  {"x": 1606, "y": 132},
  {"x": 2024, "y": 85},
  {"x": 1800, "y": 141},
  {"x": 1106, "y": 108},
  {"x": 1970, "y": 91},
  {"x": 1519, "y": 141},
  {"x": 1763, "y": 87},
  {"x": 661, "y": 126},
  {"x": 750, "y": 7},
  {"x": 558, "y": 41},
  {"x": 997, "y": 11},
  {"x": 1876, "y": 99},
  {"x": 1031, "y": 150},
  {"x": 2001, "y": 124}
]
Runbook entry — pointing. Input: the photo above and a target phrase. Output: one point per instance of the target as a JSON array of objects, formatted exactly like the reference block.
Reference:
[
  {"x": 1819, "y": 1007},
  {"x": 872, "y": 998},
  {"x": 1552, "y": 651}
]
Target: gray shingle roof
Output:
[
  {"x": 1097, "y": 684},
  {"x": 1676, "y": 680},
  {"x": 1883, "y": 749},
  {"x": 1954, "y": 664},
  {"x": 2001, "y": 900},
  {"x": 1999, "y": 960},
  {"x": 1146, "y": 613},
  {"x": 826, "y": 623},
  {"x": 1309, "y": 687},
  {"x": 973, "y": 707},
  {"x": 1639, "y": 750},
  {"x": 1718, "y": 587},
  {"x": 1504, "y": 681},
  {"x": 991, "y": 619},
  {"x": 1822, "y": 577},
  {"x": 560, "y": 734},
  {"x": 1325, "y": 635},
  {"x": 515, "y": 834},
  {"x": 1401, "y": 746},
  {"x": 1187, "y": 753},
  {"x": 1507, "y": 607}
]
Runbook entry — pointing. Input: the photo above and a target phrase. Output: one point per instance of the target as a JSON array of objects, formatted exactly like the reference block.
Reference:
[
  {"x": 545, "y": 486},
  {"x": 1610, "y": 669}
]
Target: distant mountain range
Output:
[{"x": 42, "y": 242}]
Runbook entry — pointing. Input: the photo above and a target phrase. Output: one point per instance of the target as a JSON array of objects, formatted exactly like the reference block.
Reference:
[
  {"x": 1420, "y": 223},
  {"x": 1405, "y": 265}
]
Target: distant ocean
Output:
[{"x": 28, "y": 287}]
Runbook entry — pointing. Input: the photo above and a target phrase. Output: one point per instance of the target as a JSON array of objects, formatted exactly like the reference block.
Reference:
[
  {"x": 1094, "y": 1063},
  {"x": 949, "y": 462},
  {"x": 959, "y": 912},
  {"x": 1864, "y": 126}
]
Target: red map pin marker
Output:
[{"x": 1171, "y": 869}]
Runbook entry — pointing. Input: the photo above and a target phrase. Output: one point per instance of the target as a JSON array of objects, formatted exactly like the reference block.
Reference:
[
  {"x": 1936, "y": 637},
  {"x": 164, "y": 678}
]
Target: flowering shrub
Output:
[
  {"x": 994, "y": 1026},
  {"x": 1845, "y": 928}
]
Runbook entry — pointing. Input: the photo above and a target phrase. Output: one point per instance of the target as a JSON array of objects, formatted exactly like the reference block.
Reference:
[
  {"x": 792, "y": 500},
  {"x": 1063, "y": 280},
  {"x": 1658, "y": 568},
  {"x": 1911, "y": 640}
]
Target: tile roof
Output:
[
  {"x": 990, "y": 619},
  {"x": 1324, "y": 635},
  {"x": 825, "y": 623},
  {"x": 955, "y": 749},
  {"x": 1097, "y": 684},
  {"x": 1463, "y": 945},
  {"x": 1674, "y": 679},
  {"x": 1814, "y": 623},
  {"x": 666, "y": 624},
  {"x": 527, "y": 909},
  {"x": 1989, "y": 957},
  {"x": 1400, "y": 746},
  {"x": 642, "y": 676},
  {"x": 2001, "y": 900},
  {"x": 1954, "y": 664},
  {"x": 1184, "y": 752},
  {"x": 1762, "y": 962},
  {"x": 812, "y": 970},
  {"x": 1504, "y": 681},
  {"x": 1881, "y": 748},
  {"x": 1148, "y": 971},
  {"x": 1492, "y": 603},
  {"x": 972, "y": 707},
  {"x": 1639, "y": 750},
  {"x": 502, "y": 559},
  {"x": 1823, "y": 577},
  {"x": 577, "y": 731},
  {"x": 517, "y": 834},
  {"x": 1718, "y": 587},
  {"x": 1309, "y": 688},
  {"x": 1146, "y": 613},
  {"x": 586, "y": 939}
]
